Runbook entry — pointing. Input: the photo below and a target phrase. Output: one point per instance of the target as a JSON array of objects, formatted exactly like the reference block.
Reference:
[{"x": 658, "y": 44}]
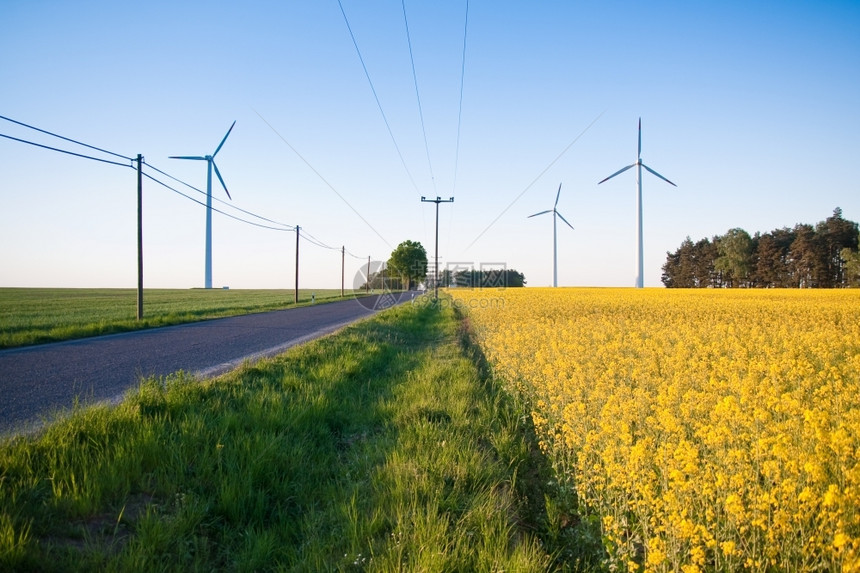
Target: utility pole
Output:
[
  {"x": 367, "y": 284},
  {"x": 139, "y": 237},
  {"x": 297, "y": 265},
  {"x": 342, "y": 268},
  {"x": 437, "y": 200}
]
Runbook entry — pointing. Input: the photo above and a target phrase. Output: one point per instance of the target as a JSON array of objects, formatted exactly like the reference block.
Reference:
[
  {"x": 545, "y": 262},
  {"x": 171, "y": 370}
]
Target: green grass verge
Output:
[
  {"x": 35, "y": 315},
  {"x": 386, "y": 447}
]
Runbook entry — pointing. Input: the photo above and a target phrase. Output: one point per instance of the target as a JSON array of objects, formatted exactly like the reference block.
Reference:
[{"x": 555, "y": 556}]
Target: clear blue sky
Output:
[{"x": 752, "y": 109}]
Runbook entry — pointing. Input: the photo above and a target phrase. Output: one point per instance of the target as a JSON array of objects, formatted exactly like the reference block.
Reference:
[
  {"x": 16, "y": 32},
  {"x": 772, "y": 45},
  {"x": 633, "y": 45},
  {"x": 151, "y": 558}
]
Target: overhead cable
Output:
[
  {"x": 189, "y": 197},
  {"x": 418, "y": 96},
  {"x": 376, "y": 97},
  {"x": 67, "y": 139},
  {"x": 313, "y": 240},
  {"x": 281, "y": 226},
  {"x": 323, "y": 179},
  {"x": 459, "y": 121},
  {"x": 65, "y": 151},
  {"x": 352, "y": 255},
  {"x": 231, "y": 205},
  {"x": 460, "y": 111},
  {"x": 539, "y": 175}
]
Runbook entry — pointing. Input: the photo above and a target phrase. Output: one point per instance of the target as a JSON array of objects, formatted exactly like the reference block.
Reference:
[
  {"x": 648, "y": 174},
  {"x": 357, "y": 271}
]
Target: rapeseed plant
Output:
[{"x": 708, "y": 430}]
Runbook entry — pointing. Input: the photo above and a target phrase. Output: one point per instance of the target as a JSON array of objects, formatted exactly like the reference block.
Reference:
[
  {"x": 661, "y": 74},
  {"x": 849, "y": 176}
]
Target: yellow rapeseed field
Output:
[{"x": 708, "y": 429}]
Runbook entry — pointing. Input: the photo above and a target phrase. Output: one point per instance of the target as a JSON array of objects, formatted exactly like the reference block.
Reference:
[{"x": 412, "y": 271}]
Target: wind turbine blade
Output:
[
  {"x": 223, "y": 140},
  {"x": 221, "y": 179},
  {"x": 557, "y": 195},
  {"x": 658, "y": 175},
  {"x": 619, "y": 172},
  {"x": 197, "y": 157},
  {"x": 639, "y": 153},
  {"x": 541, "y": 213},
  {"x": 563, "y": 219}
]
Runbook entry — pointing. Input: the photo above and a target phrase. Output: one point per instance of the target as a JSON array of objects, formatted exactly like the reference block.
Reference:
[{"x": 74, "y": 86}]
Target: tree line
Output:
[
  {"x": 806, "y": 256},
  {"x": 408, "y": 266},
  {"x": 501, "y": 278},
  {"x": 493, "y": 278}
]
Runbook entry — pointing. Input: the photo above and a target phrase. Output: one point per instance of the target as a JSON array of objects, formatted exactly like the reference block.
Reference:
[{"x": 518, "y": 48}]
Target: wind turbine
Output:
[
  {"x": 555, "y": 213},
  {"x": 639, "y": 165},
  {"x": 210, "y": 161}
]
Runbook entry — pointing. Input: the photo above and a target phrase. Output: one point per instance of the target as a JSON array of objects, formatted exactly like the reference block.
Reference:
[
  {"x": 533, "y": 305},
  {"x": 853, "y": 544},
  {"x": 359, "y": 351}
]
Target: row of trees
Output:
[
  {"x": 493, "y": 278},
  {"x": 408, "y": 266},
  {"x": 408, "y": 262},
  {"x": 821, "y": 256}
]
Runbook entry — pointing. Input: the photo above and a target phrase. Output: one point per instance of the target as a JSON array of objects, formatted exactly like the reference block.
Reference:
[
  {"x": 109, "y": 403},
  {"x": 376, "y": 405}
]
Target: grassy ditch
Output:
[
  {"x": 37, "y": 315},
  {"x": 385, "y": 447}
]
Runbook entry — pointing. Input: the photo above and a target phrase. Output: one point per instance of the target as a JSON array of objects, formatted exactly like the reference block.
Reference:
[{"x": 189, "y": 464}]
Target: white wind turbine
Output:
[
  {"x": 555, "y": 213},
  {"x": 639, "y": 165},
  {"x": 210, "y": 161}
]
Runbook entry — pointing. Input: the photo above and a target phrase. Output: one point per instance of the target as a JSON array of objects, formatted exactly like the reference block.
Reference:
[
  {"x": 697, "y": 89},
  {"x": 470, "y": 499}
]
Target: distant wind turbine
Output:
[
  {"x": 555, "y": 213},
  {"x": 639, "y": 165},
  {"x": 210, "y": 161}
]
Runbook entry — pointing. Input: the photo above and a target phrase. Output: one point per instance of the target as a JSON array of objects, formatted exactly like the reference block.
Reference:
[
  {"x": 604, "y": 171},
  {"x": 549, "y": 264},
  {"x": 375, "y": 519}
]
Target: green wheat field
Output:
[
  {"x": 36, "y": 315},
  {"x": 387, "y": 446}
]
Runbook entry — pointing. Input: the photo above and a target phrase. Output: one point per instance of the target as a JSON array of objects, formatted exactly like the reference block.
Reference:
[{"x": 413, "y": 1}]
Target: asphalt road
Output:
[{"x": 38, "y": 381}]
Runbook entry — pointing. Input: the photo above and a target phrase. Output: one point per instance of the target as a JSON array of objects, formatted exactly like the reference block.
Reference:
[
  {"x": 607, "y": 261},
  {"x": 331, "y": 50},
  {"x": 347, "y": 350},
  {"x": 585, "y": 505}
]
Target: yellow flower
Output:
[
  {"x": 831, "y": 496},
  {"x": 694, "y": 419}
]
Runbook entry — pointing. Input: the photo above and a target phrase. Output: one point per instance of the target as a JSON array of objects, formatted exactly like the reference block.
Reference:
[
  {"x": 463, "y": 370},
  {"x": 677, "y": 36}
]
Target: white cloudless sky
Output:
[{"x": 752, "y": 109}]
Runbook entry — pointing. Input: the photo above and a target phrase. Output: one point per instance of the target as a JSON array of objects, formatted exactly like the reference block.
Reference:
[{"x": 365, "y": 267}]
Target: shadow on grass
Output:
[
  {"x": 244, "y": 471},
  {"x": 547, "y": 506},
  {"x": 388, "y": 446},
  {"x": 30, "y": 323}
]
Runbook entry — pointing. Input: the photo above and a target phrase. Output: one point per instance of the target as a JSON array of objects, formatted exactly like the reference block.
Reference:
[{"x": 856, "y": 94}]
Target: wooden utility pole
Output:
[
  {"x": 297, "y": 265},
  {"x": 367, "y": 284},
  {"x": 437, "y": 200},
  {"x": 139, "y": 237},
  {"x": 342, "y": 268}
]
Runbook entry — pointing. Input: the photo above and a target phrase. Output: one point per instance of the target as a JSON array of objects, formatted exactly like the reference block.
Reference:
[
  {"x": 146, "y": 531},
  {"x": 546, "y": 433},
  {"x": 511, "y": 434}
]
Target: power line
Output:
[
  {"x": 129, "y": 159},
  {"x": 314, "y": 241},
  {"x": 539, "y": 175},
  {"x": 459, "y": 120},
  {"x": 417, "y": 96},
  {"x": 352, "y": 255},
  {"x": 124, "y": 165},
  {"x": 229, "y": 204},
  {"x": 284, "y": 227},
  {"x": 323, "y": 179},
  {"x": 281, "y": 226},
  {"x": 376, "y": 97},
  {"x": 460, "y": 110},
  {"x": 190, "y": 198},
  {"x": 64, "y": 151},
  {"x": 287, "y": 227}
]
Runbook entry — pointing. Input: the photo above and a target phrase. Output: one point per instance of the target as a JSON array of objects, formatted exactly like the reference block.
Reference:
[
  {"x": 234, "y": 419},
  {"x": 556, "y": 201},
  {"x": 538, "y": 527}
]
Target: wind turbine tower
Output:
[
  {"x": 210, "y": 164},
  {"x": 555, "y": 214},
  {"x": 639, "y": 165}
]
